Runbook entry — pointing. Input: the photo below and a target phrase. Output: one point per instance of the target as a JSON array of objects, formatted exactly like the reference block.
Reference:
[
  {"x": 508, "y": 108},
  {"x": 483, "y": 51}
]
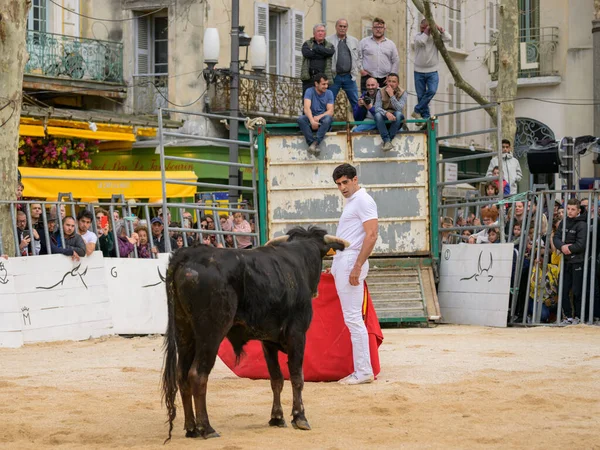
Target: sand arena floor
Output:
[{"x": 444, "y": 387}]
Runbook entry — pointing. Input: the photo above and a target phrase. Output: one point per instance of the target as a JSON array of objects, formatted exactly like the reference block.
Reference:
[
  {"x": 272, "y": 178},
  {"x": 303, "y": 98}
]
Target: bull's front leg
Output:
[
  {"x": 271, "y": 351},
  {"x": 295, "y": 344}
]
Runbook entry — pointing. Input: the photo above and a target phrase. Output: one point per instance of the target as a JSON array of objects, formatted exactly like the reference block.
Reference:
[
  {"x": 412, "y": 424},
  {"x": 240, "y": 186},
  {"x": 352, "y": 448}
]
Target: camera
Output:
[{"x": 367, "y": 99}]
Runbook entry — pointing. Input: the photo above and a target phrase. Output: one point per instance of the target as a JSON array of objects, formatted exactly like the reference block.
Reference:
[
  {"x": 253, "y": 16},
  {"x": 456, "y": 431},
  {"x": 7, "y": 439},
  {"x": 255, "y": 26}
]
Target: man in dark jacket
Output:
[
  {"x": 158, "y": 237},
  {"x": 317, "y": 54},
  {"x": 73, "y": 245},
  {"x": 573, "y": 249}
]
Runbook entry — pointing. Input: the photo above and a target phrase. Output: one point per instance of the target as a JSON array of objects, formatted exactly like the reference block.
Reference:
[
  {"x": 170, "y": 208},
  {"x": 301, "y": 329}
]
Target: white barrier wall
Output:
[
  {"x": 474, "y": 284},
  {"x": 52, "y": 298}
]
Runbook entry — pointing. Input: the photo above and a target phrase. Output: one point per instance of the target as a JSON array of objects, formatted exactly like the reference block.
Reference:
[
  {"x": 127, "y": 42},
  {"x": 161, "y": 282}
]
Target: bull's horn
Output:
[
  {"x": 278, "y": 240},
  {"x": 329, "y": 239}
]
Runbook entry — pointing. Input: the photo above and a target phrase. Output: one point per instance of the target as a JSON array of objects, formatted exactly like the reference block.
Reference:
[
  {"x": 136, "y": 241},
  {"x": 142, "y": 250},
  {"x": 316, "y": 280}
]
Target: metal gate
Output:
[{"x": 233, "y": 206}]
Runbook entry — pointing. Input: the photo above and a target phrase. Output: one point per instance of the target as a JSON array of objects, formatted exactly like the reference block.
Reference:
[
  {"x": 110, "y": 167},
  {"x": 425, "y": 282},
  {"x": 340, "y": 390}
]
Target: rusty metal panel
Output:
[{"x": 302, "y": 192}]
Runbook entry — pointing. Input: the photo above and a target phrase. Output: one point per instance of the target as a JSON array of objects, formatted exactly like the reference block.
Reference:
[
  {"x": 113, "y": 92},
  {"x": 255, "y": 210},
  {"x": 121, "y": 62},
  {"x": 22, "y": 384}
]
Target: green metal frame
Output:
[{"x": 432, "y": 126}]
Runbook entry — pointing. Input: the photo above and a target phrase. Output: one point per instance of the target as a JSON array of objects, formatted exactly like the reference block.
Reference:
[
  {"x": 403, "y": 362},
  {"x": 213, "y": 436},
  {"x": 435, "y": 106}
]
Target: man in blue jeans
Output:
[
  {"x": 389, "y": 104},
  {"x": 346, "y": 63},
  {"x": 318, "y": 113},
  {"x": 426, "y": 66}
]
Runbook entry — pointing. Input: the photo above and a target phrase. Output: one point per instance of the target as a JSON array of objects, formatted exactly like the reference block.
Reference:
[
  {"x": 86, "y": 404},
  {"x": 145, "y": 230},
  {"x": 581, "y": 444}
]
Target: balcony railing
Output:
[
  {"x": 59, "y": 56},
  {"x": 537, "y": 52},
  {"x": 267, "y": 95},
  {"x": 150, "y": 92}
]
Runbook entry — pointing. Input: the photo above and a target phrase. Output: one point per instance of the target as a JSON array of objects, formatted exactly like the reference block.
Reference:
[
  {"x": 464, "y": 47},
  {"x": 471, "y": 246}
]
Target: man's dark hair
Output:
[
  {"x": 574, "y": 201},
  {"x": 506, "y": 141},
  {"x": 394, "y": 75},
  {"x": 344, "y": 170},
  {"x": 319, "y": 76},
  {"x": 495, "y": 168},
  {"x": 85, "y": 213},
  {"x": 67, "y": 218},
  {"x": 379, "y": 20}
]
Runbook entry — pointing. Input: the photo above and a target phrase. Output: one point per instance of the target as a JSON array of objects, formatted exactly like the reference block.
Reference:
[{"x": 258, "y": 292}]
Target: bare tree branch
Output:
[{"x": 424, "y": 7}]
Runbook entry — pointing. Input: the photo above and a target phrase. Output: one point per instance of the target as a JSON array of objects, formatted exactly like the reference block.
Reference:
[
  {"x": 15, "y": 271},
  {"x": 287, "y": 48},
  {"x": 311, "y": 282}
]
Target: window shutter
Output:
[
  {"x": 261, "y": 25},
  {"x": 297, "y": 41},
  {"x": 142, "y": 46},
  {"x": 458, "y": 21}
]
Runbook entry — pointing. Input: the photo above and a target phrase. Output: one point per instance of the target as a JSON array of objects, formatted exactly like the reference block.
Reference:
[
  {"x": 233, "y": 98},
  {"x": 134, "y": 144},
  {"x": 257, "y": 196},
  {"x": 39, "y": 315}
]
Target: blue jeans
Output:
[
  {"x": 346, "y": 83},
  {"x": 307, "y": 131},
  {"x": 364, "y": 127},
  {"x": 545, "y": 311},
  {"x": 426, "y": 85},
  {"x": 394, "y": 127}
]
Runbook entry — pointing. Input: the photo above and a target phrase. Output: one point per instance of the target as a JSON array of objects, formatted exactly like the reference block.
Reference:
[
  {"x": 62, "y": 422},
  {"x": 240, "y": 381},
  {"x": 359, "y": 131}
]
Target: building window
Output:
[
  {"x": 493, "y": 11},
  {"x": 529, "y": 19},
  {"x": 152, "y": 45},
  {"x": 38, "y": 16},
  {"x": 454, "y": 26},
  {"x": 283, "y": 30},
  {"x": 160, "y": 35},
  {"x": 454, "y": 104},
  {"x": 367, "y": 28}
]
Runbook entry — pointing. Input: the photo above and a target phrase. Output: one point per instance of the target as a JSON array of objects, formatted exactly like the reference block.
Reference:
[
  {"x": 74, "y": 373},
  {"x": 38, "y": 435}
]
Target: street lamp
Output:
[{"x": 211, "y": 56}]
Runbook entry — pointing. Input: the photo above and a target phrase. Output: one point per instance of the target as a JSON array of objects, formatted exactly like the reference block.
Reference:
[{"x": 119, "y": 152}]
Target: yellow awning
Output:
[
  {"x": 94, "y": 184},
  {"x": 77, "y": 129}
]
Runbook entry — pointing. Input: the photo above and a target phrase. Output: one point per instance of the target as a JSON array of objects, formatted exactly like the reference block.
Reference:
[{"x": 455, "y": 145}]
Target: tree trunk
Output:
[
  {"x": 508, "y": 65},
  {"x": 13, "y": 56},
  {"x": 424, "y": 8}
]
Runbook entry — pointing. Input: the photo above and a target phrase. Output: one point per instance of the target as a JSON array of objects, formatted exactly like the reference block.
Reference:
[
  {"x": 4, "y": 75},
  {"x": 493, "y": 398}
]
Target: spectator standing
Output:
[
  {"x": 23, "y": 234},
  {"x": 105, "y": 237},
  {"x": 573, "y": 249},
  {"x": 510, "y": 166},
  {"x": 238, "y": 224},
  {"x": 317, "y": 53},
  {"x": 158, "y": 236},
  {"x": 379, "y": 56},
  {"x": 84, "y": 222},
  {"x": 318, "y": 113},
  {"x": 143, "y": 248},
  {"x": 426, "y": 68},
  {"x": 389, "y": 104},
  {"x": 365, "y": 108},
  {"x": 346, "y": 63},
  {"x": 126, "y": 243},
  {"x": 72, "y": 241}
]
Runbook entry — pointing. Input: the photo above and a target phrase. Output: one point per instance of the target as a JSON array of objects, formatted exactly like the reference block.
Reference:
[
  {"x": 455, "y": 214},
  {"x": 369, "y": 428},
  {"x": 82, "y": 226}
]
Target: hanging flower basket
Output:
[{"x": 56, "y": 153}]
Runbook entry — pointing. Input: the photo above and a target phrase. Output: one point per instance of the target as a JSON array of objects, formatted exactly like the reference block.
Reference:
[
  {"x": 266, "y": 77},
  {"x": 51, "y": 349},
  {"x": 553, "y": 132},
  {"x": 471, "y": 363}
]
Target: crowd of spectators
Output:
[
  {"x": 84, "y": 231},
  {"x": 545, "y": 231},
  {"x": 336, "y": 62}
]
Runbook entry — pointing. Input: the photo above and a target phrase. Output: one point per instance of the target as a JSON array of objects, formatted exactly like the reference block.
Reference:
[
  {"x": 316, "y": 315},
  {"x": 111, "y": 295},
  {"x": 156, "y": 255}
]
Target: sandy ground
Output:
[{"x": 444, "y": 387}]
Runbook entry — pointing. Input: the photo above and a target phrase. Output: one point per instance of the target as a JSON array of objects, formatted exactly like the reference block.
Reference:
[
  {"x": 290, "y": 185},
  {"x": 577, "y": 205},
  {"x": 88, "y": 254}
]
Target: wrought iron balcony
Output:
[
  {"x": 59, "y": 56},
  {"x": 150, "y": 92},
  {"x": 537, "y": 52},
  {"x": 276, "y": 97}
]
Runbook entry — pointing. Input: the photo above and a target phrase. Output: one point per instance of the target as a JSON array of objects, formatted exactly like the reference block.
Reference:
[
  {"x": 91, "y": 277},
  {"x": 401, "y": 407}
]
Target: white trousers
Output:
[{"x": 351, "y": 299}]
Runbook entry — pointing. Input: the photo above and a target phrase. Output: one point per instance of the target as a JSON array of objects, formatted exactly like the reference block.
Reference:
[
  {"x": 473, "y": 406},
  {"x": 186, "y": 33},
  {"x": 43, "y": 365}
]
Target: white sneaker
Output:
[
  {"x": 355, "y": 379},
  {"x": 346, "y": 378}
]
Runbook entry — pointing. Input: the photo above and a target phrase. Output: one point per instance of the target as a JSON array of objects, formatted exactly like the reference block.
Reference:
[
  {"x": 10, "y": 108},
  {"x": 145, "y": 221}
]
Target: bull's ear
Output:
[{"x": 278, "y": 240}]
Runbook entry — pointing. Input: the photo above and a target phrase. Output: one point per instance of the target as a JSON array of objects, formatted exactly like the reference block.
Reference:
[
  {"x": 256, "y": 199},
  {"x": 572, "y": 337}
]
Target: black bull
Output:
[{"x": 261, "y": 294}]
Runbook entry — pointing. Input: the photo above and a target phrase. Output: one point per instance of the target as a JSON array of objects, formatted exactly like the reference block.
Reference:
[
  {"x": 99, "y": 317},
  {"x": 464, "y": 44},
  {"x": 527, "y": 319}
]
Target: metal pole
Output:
[
  {"x": 500, "y": 171},
  {"x": 254, "y": 187},
  {"x": 234, "y": 100},
  {"x": 563, "y": 263},
  {"x": 165, "y": 211},
  {"x": 262, "y": 187},
  {"x": 13, "y": 221},
  {"x": 594, "y": 237},
  {"x": 596, "y": 75},
  {"x": 521, "y": 260},
  {"x": 537, "y": 224},
  {"x": 584, "y": 291}
]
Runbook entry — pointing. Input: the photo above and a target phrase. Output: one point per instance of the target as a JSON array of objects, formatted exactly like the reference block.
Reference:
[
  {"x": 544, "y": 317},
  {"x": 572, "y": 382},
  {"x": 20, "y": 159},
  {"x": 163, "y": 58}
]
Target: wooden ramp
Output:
[{"x": 403, "y": 290}]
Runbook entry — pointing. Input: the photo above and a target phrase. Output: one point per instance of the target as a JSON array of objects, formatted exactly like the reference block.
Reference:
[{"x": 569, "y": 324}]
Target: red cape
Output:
[{"x": 328, "y": 352}]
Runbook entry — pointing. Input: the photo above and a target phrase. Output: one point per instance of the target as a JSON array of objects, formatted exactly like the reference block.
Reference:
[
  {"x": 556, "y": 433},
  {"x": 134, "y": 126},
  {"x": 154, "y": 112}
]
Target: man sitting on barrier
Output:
[
  {"x": 365, "y": 109},
  {"x": 317, "y": 113},
  {"x": 389, "y": 104}
]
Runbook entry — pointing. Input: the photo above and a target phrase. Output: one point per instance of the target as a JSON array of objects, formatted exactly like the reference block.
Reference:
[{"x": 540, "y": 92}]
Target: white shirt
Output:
[
  {"x": 89, "y": 237},
  {"x": 359, "y": 208}
]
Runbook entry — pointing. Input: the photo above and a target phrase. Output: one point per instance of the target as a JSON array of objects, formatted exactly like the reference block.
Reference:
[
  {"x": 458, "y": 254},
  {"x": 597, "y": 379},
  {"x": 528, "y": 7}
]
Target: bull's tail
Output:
[{"x": 169, "y": 379}]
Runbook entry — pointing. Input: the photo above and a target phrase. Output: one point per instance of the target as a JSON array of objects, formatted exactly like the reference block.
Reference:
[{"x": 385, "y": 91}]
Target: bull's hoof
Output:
[
  {"x": 195, "y": 433},
  {"x": 300, "y": 424},
  {"x": 277, "y": 423},
  {"x": 209, "y": 434}
]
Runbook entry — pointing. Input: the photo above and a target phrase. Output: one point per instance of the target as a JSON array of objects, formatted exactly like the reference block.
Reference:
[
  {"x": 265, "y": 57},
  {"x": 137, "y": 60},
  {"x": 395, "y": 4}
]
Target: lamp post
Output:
[
  {"x": 211, "y": 56},
  {"x": 234, "y": 97}
]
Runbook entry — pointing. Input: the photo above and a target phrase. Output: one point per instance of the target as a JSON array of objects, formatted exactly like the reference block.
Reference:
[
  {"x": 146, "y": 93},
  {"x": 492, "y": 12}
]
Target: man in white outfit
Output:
[{"x": 358, "y": 225}]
